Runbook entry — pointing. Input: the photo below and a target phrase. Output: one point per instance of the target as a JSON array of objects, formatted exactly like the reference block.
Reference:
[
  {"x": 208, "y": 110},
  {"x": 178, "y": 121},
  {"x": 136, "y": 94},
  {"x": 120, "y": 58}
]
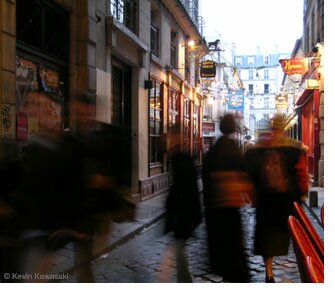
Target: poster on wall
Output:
[
  {"x": 26, "y": 72},
  {"x": 49, "y": 79},
  {"x": 26, "y": 77},
  {"x": 8, "y": 121},
  {"x": 43, "y": 113},
  {"x": 40, "y": 99},
  {"x": 21, "y": 126}
]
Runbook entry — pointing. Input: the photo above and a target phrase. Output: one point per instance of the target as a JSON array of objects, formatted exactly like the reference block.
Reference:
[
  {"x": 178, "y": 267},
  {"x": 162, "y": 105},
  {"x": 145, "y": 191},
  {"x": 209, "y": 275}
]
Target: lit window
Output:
[{"x": 155, "y": 120}]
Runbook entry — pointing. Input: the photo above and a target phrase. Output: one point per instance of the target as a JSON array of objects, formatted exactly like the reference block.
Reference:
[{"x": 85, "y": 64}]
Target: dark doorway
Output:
[{"x": 121, "y": 111}]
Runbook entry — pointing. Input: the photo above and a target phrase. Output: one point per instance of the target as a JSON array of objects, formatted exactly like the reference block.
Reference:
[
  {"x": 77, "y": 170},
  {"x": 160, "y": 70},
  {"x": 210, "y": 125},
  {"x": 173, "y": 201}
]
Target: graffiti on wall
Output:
[{"x": 8, "y": 120}]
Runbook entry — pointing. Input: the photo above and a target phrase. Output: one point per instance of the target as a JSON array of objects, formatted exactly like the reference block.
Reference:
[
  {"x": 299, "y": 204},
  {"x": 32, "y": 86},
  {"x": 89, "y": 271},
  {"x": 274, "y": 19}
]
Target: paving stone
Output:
[
  {"x": 290, "y": 265},
  {"x": 213, "y": 277}
]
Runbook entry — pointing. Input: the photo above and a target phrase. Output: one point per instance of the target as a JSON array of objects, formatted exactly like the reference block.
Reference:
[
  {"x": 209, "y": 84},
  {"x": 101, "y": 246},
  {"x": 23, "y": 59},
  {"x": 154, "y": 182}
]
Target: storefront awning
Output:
[{"x": 306, "y": 94}]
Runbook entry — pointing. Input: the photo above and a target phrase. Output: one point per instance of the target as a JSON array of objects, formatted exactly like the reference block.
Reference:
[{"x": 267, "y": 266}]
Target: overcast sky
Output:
[{"x": 264, "y": 23}]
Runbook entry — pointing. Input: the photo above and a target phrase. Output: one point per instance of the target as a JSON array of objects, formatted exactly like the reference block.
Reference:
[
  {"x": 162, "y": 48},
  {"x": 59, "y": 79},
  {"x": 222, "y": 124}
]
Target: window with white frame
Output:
[
  {"x": 251, "y": 74},
  {"x": 251, "y": 88},
  {"x": 207, "y": 112},
  {"x": 266, "y": 59},
  {"x": 238, "y": 60},
  {"x": 251, "y": 60}
]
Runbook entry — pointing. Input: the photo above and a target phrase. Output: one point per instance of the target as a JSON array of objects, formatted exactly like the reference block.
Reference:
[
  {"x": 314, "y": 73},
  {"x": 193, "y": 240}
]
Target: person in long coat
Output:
[
  {"x": 223, "y": 221},
  {"x": 275, "y": 204},
  {"x": 183, "y": 202}
]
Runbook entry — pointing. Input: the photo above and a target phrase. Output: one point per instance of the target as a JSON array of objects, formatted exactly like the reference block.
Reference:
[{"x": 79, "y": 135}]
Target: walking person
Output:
[
  {"x": 224, "y": 182},
  {"x": 183, "y": 202},
  {"x": 278, "y": 168}
]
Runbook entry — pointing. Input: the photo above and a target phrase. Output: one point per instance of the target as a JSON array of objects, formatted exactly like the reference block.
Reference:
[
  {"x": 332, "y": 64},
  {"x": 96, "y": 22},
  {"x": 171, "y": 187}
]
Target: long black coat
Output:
[
  {"x": 273, "y": 208},
  {"x": 183, "y": 201},
  {"x": 224, "y": 231}
]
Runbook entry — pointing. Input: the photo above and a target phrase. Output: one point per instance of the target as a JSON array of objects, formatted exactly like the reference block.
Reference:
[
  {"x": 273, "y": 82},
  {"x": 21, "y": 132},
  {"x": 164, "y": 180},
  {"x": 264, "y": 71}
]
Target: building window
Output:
[
  {"x": 174, "y": 108},
  {"x": 196, "y": 133},
  {"x": 251, "y": 74},
  {"x": 266, "y": 88},
  {"x": 44, "y": 27},
  {"x": 251, "y": 88},
  {"x": 251, "y": 60},
  {"x": 207, "y": 112},
  {"x": 155, "y": 120},
  {"x": 174, "y": 50},
  {"x": 266, "y": 59},
  {"x": 238, "y": 60},
  {"x": 266, "y": 74},
  {"x": 42, "y": 99},
  {"x": 125, "y": 12},
  {"x": 154, "y": 40},
  {"x": 186, "y": 126}
]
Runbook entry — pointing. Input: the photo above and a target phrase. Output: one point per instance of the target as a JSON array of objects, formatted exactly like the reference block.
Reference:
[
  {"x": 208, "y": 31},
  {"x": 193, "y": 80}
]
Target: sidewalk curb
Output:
[{"x": 117, "y": 243}]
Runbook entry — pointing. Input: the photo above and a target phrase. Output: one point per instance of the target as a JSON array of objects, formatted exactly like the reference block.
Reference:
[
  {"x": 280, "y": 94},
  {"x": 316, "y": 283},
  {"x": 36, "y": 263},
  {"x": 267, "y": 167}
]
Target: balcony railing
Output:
[{"x": 124, "y": 11}]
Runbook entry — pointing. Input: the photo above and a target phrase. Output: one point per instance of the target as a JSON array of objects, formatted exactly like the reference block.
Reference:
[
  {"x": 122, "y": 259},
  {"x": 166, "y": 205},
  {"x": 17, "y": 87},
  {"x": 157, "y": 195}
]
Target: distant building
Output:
[{"x": 261, "y": 76}]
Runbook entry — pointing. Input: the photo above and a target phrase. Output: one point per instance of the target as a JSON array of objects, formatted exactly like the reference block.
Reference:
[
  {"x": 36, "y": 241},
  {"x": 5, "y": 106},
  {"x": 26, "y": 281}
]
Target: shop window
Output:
[
  {"x": 196, "y": 133},
  {"x": 187, "y": 126},
  {"x": 40, "y": 98},
  {"x": 41, "y": 68},
  {"x": 155, "y": 123},
  {"x": 174, "y": 107}
]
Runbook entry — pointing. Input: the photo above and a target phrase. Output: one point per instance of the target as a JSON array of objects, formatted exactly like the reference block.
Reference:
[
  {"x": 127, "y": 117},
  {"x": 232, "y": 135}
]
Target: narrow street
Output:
[{"x": 149, "y": 258}]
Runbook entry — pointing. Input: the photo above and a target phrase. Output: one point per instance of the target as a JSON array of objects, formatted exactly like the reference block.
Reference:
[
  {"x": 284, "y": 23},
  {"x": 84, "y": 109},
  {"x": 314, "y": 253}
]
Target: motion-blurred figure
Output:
[
  {"x": 10, "y": 175},
  {"x": 278, "y": 168},
  {"x": 225, "y": 186},
  {"x": 105, "y": 197},
  {"x": 71, "y": 189},
  {"x": 183, "y": 203}
]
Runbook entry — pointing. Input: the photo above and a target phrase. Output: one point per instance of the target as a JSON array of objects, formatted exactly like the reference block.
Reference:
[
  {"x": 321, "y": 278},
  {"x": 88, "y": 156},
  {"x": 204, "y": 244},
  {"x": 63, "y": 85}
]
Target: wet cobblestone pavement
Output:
[{"x": 149, "y": 257}]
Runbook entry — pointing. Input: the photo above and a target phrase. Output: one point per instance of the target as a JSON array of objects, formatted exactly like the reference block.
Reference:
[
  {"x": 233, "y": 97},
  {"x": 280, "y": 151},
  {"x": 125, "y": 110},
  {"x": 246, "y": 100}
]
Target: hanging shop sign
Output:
[
  {"x": 236, "y": 100},
  {"x": 281, "y": 102},
  {"x": 294, "y": 65},
  {"x": 208, "y": 69}
]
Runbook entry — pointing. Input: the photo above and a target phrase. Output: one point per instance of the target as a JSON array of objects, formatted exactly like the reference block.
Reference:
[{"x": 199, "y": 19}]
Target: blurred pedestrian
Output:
[
  {"x": 183, "y": 202},
  {"x": 226, "y": 189},
  {"x": 73, "y": 188},
  {"x": 104, "y": 197},
  {"x": 278, "y": 167}
]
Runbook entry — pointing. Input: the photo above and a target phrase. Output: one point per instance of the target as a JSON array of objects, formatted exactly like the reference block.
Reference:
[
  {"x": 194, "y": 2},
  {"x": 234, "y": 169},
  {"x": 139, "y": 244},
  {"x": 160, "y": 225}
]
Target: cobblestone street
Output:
[{"x": 149, "y": 257}]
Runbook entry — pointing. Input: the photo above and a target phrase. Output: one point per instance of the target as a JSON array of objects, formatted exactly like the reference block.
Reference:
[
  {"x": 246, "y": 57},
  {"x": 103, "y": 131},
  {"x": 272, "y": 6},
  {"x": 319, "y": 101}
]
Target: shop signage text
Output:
[
  {"x": 294, "y": 65},
  {"x": 208, "y": 69}
]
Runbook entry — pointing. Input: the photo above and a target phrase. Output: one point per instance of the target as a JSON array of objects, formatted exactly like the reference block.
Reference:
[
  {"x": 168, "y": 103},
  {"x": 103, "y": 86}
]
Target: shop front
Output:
[{"x": 308, "y": 112}]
